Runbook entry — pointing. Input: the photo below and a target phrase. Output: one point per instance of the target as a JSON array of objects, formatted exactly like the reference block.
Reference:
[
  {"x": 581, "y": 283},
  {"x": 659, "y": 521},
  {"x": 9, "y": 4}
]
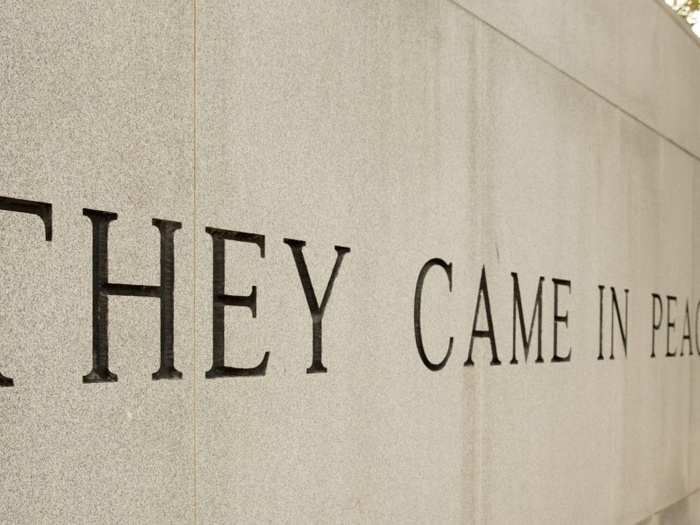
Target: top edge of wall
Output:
[
  {"x": 633, "y": 60},
  {"x": 680, "y": 22}
]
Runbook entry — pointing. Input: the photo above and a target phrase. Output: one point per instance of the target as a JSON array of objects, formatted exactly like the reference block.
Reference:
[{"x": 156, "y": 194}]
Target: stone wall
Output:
[{"x": 558, "y": 141}]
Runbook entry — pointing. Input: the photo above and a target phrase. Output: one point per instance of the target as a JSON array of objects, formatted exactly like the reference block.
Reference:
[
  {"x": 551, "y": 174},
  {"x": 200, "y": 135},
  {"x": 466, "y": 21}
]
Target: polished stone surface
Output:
[{"x": 538, "y": 142}]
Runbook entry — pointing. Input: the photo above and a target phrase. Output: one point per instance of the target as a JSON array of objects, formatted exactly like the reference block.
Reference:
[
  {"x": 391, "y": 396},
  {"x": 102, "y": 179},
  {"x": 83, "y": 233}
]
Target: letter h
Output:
[{"x": 102, "y": 289}]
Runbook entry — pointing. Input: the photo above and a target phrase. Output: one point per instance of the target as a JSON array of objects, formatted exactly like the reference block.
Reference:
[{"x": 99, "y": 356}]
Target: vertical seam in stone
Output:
[
  {"x": 194, "y": 260},
  {"x": 690, "y": 457}
]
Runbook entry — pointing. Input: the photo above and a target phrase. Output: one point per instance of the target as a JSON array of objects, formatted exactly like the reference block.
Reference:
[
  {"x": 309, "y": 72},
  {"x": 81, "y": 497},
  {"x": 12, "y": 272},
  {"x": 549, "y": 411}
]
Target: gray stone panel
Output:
[
  {"x": 548, "y": 140},
  {"x": 96, "y": 113},
  {"x": 630, "y": 52}
]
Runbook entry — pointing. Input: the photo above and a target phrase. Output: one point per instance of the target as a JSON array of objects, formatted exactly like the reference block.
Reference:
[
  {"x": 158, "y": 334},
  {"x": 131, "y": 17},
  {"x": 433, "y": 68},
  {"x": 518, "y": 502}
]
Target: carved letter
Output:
[
  {"x": 536, "y": 312},
  {"x": 483, "y": 292},
  {"x": 559, "y": 318},
  {"x": 316, "y": 311},
  {"x": 669, "y": 324},
  {"x": 43, "y": 211},
  {"x": 655, "y": 325},
  {"x": 687, "y": 335},
  {"x": 416, "y": 312},
  {"x": 102, "y": 289},
  {"x": 221, "y": 300},
  {"x": 623, "y": 331},
  {"x": 601, "y": 291}
]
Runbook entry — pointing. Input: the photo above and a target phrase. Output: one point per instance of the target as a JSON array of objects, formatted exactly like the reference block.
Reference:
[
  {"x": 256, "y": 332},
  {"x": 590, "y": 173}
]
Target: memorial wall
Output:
[{"x": 426, "y": 261}]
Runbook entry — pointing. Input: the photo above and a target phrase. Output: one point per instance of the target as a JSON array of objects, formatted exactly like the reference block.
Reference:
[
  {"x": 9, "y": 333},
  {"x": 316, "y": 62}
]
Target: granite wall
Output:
[{"x": 557, "y": 141}]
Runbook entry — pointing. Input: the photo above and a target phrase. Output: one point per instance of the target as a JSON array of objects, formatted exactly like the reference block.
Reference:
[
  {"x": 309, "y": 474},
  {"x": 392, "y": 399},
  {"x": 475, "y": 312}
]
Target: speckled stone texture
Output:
[
  {"x": 96, "y": 112},
  {"x": 531, "y": 139}
]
